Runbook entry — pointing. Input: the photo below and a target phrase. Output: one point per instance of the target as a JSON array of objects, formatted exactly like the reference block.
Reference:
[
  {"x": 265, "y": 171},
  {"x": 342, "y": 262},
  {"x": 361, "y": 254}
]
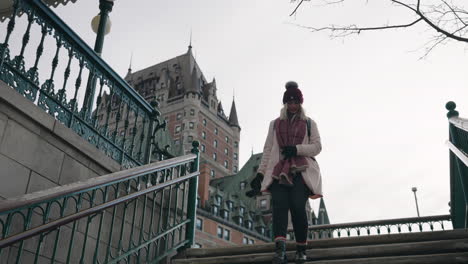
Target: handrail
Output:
[
  {"x": 112, "y": 116},
  {"x": 463, "y": 157},
  {"x": 102, "y": 181},
  {"x": 94, "y": 210},
  {"x": 459, "y": 122},
  {"x": 59, "y": 24},
  {"x": 137, "y": 213}
]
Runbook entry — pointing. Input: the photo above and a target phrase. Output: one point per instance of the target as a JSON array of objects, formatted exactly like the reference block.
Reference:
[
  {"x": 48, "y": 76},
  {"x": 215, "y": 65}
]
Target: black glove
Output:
[
  {"x": 289, "y": 152},
  {"x": 256, "y": 185}
]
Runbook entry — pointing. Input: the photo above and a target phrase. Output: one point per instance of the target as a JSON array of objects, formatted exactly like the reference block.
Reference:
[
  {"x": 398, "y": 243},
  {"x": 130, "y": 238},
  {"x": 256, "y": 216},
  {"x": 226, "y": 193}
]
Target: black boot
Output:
[
  {"x": 301, "y": 256},
  {"x": 280, "y": 253}
]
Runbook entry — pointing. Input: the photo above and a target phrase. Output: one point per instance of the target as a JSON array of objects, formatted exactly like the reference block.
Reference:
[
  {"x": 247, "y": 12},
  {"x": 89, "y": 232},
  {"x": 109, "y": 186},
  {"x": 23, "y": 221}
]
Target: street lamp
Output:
[
  {"x": 414, "y": 189},
  {"x": 101, "y": 25}
]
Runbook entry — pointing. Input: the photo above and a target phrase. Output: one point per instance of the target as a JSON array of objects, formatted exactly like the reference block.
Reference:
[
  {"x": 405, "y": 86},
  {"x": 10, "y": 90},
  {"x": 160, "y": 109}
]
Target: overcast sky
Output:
[{"x": 378, "y": 106}]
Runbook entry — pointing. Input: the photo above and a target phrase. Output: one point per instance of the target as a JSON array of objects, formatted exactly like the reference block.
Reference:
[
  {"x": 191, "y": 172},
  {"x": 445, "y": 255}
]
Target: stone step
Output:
[
  {"x": 409, "y": 249},
  {"x": 447, "y": 258},
  {"x": 329, "y": 243}
]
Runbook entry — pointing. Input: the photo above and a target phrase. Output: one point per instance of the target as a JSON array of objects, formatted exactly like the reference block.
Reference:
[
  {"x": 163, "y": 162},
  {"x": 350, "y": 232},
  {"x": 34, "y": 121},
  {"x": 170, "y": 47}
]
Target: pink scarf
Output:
[{"x": 289, "y": 132}]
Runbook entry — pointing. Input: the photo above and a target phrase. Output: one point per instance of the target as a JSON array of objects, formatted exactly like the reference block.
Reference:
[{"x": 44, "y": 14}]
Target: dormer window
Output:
[
  {"x": 248, "y": 224},
  {"x": 241, "y": 219},
  {"x": 262, "y": 230},
  {"x": 242, "y": 210},
  {"x": 215, "y": 209},
  {"x": 242, "y": 185},
  {"x": 230, "y": 204},
  {"x": 218, "y": 199}
]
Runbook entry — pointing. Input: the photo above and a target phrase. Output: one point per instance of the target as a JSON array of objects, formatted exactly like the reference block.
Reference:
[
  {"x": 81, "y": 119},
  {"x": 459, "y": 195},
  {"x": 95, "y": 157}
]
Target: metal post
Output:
[
  {"x": 105, "y": 7},
  {"x": 192, "y": 196},
  {"x": 414, "y": 189}
]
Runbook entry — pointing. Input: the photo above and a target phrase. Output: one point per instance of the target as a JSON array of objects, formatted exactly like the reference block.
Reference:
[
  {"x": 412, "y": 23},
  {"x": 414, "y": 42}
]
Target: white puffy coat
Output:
[{"x": 309, "y": 148}]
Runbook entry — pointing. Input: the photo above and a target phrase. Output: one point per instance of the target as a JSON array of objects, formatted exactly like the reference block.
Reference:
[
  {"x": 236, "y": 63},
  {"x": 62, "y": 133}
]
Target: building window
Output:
[
  {"x": 245, "y": 240},
  {"x": 226, "y": 151},
  {"x": 204, "y": 122},
  {"x": 226, "y": 214},
  {"x": 226, "y": 164},
  {"x": 242, "y": 185},
  {"x": 177, "y": 129},
  {"x": 212, "y": 173},
  {"x": 227, "y": 139},
  {"x": 235, "y": 156},
  {"x": 235, "y": 169},
  {"x": 203, "y": 135},
  {"x": 240, "y": 220},
  {"x": 192, "y": 112},
  {"x": 242, "y": 210},
  {"x": 203, "y": 148},
  {"x": 229, "y": 204},
  {"x": 215, "y": 210},
  {"x": 214, "y": 156},
  {"x": 220, "y": 232},
  {"x": 215, "y": 143},
  {"x": 227, "y": 234},
  {"x": 199, "y": 224},
  {"x": 216, "y": 130},
  {"x": 263, "y": 203},
  {"x": 190, "y": 138},
  {"x": 251, "y": 241},
  {"x": 179, "y": 116},
  {"x": 248, "y": 224},
  {"x": 191, "y": 125},
  {"x": 218, "y": 199},
  {"x": 236, "y": 144}
]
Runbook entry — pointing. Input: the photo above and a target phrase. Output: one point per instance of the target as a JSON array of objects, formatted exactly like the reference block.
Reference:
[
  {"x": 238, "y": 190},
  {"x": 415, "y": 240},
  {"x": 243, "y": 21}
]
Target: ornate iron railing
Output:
[
  {"x": 380, "y": 227},
  {"x": 458, "y": 145},
  {"x": 140, "y": 215},
  {"x": 50, "y": 71}
]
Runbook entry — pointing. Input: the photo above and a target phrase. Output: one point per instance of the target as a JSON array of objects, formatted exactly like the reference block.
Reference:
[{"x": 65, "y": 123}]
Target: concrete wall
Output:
[{"x": 37, "y": 152}]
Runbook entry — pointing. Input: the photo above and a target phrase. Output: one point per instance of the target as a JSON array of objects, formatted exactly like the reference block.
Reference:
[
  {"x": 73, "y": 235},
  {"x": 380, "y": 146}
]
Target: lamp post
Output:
[
  {"x": 414, "y": 189},
  {"x": 101, "y": 26}
]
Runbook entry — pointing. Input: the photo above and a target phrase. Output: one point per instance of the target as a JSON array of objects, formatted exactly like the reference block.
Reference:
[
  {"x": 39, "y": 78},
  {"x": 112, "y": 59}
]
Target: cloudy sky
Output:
[{"x": 379, "y": 107}]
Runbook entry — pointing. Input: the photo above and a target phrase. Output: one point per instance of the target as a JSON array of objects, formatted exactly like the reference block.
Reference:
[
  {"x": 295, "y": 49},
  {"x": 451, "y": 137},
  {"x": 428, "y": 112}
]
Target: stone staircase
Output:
[{"x": 441, "y": 247}]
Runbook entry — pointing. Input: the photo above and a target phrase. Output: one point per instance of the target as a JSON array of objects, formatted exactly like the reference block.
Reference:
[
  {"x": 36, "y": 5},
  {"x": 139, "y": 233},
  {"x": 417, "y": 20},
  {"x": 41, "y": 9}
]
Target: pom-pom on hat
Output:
[{"x": 292, "y": 93}]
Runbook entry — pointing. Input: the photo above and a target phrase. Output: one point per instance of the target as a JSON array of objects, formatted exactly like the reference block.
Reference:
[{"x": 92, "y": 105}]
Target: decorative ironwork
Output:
[
  {"x": 458, "y": 137},
  {"x": 97, "y": 122},
  {"x": 379, "y": 227},
  {"x": 125, "y": 216}
]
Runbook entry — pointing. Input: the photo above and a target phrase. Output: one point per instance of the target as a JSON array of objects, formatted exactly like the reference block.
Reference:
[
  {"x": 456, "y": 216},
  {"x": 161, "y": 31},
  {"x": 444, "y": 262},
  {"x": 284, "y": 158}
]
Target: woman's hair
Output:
[{"x": 284, "y": 112}]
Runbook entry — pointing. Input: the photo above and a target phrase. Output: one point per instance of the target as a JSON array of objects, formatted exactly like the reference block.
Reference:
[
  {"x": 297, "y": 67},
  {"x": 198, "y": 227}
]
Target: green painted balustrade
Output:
[
  {"x": 458, "y": 144},
  {"x": 379, "y": 227},
  {"x": 49, "y": 64},
  {"x": 140, "y": 215}
]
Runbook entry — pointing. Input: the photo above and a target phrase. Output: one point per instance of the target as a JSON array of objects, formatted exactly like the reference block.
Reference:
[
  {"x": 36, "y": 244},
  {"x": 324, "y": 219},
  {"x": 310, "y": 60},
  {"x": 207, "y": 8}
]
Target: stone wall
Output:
[{"x": 37, "y": 152}]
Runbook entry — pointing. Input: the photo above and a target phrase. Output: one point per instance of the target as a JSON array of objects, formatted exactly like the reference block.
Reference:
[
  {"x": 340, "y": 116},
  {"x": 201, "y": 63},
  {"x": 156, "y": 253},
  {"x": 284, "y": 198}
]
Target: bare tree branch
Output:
[{"x": 449, "y": 21}]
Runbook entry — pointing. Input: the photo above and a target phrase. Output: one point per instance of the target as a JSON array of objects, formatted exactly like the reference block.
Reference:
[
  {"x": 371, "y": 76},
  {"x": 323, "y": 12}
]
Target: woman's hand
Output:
[{"x": 289, "y": 152}]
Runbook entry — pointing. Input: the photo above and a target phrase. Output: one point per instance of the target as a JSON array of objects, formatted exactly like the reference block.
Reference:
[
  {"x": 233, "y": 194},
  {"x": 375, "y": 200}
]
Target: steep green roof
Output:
[{"x": 231, "y": 185}]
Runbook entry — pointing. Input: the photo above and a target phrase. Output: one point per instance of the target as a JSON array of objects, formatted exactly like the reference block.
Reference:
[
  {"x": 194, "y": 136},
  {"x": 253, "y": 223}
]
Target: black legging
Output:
[{"x": 293, "y": 199}]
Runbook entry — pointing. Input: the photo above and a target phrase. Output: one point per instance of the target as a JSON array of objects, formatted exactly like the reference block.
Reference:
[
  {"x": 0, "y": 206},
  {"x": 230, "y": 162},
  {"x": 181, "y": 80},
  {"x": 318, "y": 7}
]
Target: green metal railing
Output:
[
  {"x": 458, "y": 144},
  {"x": 141, "y": 215},
  {"x": 49, "y": 71},
  {"x": 380, "y": 227}
]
